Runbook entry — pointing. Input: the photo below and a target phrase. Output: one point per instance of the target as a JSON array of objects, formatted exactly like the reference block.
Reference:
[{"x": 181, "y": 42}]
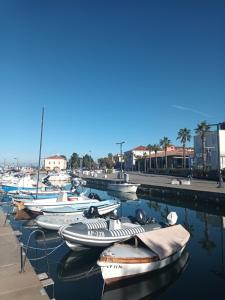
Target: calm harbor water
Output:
[{"x": 199, "y": 274}]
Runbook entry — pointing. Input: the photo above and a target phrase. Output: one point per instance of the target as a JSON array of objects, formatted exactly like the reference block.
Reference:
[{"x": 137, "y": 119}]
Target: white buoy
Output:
[{"x": 172, "y": 218}]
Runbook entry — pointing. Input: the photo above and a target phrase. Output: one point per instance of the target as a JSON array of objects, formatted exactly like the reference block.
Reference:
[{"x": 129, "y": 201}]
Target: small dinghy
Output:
[
  {"x": 101, "y": 208},
  {"x": 54, "y": 222},
  {"x": 150, "y": 251},
  {"x": 106, "y": 233}
]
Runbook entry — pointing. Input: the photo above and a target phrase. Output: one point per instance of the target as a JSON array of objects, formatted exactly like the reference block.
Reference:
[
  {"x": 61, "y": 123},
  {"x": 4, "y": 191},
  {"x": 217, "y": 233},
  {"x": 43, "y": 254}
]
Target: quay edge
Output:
[{"x": 190, "y": 193}]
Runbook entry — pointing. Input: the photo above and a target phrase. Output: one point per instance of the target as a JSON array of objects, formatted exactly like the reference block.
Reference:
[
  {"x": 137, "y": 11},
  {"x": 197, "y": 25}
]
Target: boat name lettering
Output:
[
  {"x": 114, "y": 266},
  {"x": 96, "y": 233}
]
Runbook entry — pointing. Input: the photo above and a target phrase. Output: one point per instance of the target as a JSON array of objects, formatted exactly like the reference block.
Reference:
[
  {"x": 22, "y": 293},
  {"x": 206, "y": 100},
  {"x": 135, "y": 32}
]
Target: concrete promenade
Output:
[
  {"x": 165, "y": 181},
  {"x": 160, "y": 185},
  {"x": 15, "y": 285}
]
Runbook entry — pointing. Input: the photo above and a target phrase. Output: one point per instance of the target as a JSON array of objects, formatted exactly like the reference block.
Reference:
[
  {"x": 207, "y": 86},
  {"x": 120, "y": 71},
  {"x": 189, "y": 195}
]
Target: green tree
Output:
[
  {"x": 88, "y": 162},
  {"x": 165, "y": 143},
  {"x": 184, "y": 135},
  {"x": 156, "y": 148},
  {"x": 202, "y": 129},
  {"x": 74, "y": 161},
  {"x": 105, "y": 162}
]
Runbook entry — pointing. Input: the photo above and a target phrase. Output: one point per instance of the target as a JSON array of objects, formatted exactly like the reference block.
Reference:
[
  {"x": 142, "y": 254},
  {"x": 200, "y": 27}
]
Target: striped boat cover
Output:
[
  {"x": 127, "y": 231},
  {"x": 95, "y": 225}
]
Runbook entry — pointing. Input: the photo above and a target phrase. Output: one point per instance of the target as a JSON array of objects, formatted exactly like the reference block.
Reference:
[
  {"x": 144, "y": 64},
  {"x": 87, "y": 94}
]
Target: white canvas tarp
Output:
[{"x": 165, "y": 241}]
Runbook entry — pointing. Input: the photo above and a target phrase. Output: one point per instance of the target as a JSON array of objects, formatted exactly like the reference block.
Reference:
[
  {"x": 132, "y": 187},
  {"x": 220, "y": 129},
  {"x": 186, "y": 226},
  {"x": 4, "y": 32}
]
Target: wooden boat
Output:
[
  {"x": 124, "y": 187},
  {"x": 104, "y": 234},
  {"x": 151, "y": 251},
  {"x": 148, "y": 285}
]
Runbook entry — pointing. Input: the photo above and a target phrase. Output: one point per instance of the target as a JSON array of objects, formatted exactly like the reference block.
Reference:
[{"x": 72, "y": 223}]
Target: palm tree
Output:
[
  {"x": 149, "y": 147},
  {"x": 184, "y": 135},
  {"x": 202, "y": 129},
  {"x": 165, "y": 143},
  {"x": 156, "y": 148}
]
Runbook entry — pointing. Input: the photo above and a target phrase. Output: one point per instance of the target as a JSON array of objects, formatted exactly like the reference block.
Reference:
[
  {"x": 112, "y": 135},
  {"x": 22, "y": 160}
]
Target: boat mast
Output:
[{"x": 39, "y": 161}]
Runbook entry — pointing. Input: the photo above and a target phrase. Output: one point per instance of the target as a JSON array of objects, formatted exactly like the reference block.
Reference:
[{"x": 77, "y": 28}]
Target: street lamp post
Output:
[{"x": 121, "y": 153}]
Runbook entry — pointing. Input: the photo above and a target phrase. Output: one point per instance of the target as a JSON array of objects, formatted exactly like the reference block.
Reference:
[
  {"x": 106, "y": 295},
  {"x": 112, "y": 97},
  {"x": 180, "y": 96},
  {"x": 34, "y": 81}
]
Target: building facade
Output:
[
  {"x": 212, "y": 155},
  {"x": 55, "y": 162},
  {"x": 132, "y": 155},
  {"x": 140, "y": 159}
]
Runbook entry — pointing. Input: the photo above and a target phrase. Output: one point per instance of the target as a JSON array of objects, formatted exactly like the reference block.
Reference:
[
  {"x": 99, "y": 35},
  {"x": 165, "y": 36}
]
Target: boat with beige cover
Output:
[{"x": 149, "y": 251}]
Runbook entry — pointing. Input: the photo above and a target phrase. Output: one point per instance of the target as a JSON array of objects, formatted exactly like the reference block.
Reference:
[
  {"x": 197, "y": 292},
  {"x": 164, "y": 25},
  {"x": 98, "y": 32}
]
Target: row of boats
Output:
[
  {"x": 132, "y": 245},
  {"x": 20, "y": 181}
]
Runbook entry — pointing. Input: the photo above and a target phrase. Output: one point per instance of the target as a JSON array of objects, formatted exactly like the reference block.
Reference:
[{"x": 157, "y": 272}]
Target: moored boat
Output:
[
  {"x": 124, "y": 187},
  {"x": 100, "y": 208},
  {"x": 54, "y": 222},
  {"x": 105, "y": 234},
  {"x": 63, "y": 200},
  {"x": 21, "y": 183},
  {"x": 150, "y": 251},
  {"x": 148, "y": 285}
]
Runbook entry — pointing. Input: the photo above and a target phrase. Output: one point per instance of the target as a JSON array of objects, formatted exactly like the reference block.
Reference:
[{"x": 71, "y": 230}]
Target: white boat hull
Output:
[
  {"x": 112, "y": 272},
  {"x": 38, "y": 205},
  {"x": 123, "y": 187}
]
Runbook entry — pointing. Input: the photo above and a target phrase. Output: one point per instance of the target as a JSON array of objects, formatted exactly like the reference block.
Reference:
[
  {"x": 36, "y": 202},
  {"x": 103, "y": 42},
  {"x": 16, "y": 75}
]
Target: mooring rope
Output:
[
  {"x": 44, "y": 256},
  {"x": 41, "y": 249}
]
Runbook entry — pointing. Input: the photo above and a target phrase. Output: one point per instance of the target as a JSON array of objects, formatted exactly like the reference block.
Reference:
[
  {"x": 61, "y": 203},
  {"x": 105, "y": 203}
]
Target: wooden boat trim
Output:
[{"x": 129, "y": 260}]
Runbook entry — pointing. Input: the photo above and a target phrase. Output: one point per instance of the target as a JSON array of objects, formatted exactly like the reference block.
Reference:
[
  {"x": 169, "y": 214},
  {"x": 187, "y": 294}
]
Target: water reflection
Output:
[
  {"x": 123, "y": 196},
  {"x": 206, "y": 242},
  {"x": 220, "y": 270},
  {"x": 80, "y": 264},
  {"x": 151, "y": 285}
]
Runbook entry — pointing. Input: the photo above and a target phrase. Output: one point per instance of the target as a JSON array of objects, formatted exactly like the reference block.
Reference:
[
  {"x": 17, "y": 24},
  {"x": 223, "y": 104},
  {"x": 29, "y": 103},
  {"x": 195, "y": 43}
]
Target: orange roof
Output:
[{"x": 140, "y": 148}]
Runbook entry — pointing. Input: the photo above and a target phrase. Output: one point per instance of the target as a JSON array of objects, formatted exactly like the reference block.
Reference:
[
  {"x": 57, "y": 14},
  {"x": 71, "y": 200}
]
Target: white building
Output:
[
  {"x": 131, "y": 156},
  {"x": 55, "y": 162},
  {"x": 211, "y": 150}
]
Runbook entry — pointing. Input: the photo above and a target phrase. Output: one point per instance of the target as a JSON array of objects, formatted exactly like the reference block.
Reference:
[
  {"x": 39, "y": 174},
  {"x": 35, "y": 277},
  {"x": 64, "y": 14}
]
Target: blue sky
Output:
[{"x": 107, "y": 71}]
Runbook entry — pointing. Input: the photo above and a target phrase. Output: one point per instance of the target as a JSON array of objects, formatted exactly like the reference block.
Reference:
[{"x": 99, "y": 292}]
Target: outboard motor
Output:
[
  {"x": 172, "y": 218},
  {"x": 92, "y": 212},
  {"x": 73, "y": 189},
  {"x": 45, "y": 179},
  {"x": 141, "y": 216},
  {"x": 94, "y": 196}
]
